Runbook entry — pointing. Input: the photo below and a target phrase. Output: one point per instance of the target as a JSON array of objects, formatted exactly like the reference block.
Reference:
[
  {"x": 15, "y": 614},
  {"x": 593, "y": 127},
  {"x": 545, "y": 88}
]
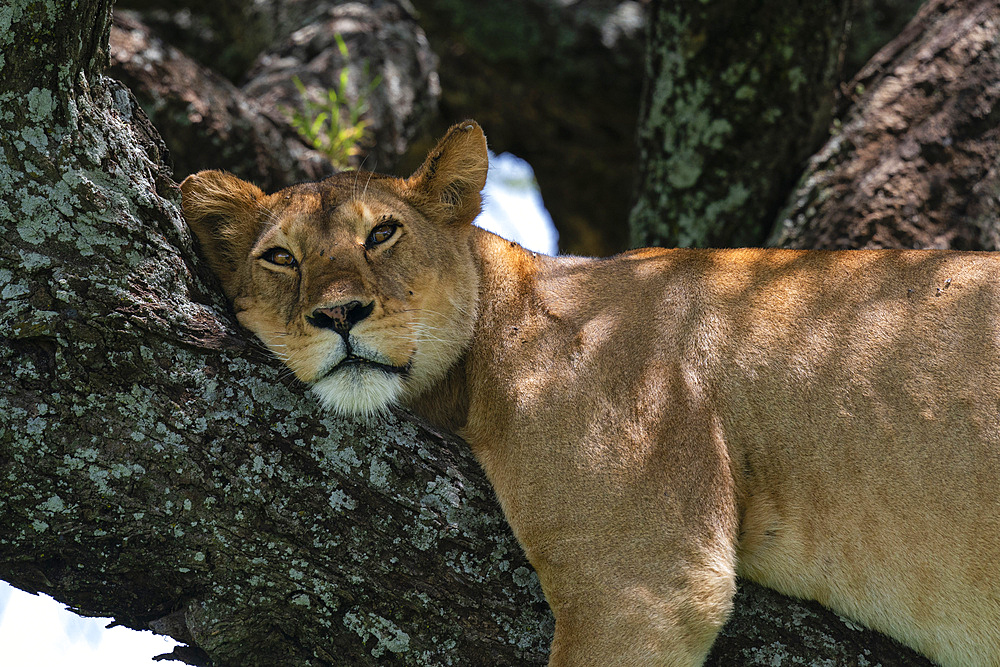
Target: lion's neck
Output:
[
  {"x": 504, "y": 270},
  {"x": 446, "y": 403}
]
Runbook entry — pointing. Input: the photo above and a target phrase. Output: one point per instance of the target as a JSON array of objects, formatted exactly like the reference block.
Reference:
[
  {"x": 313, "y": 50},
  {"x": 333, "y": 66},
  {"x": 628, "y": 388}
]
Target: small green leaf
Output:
[
  {"x": 322, "y": 123},
  {"x": 317, "y": 124}
]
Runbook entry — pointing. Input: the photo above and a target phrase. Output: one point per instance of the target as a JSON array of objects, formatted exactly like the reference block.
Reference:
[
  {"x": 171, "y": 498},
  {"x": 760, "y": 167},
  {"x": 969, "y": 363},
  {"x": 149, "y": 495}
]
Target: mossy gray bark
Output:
[
  {"x": 737, "y": 96},
  {"x": 154, "y": 467}
]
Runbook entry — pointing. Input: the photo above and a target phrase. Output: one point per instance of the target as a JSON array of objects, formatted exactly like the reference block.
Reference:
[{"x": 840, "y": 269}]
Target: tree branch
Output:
[
  {"x": 913, "y": 164},
  {"x": 156, "y": 470}
]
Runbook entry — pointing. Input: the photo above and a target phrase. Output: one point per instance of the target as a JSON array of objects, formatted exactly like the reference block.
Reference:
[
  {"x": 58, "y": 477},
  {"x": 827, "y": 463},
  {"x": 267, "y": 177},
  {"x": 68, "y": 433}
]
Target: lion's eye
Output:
[
  {"x": 381, "y": 234},
  {"x": 279, "y": 256}
]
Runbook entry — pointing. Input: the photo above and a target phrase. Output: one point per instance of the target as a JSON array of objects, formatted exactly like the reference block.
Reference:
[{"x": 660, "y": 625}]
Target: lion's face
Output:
[
  {"x": 357, "y": 292},
  {"x": 363, "y": 285}
]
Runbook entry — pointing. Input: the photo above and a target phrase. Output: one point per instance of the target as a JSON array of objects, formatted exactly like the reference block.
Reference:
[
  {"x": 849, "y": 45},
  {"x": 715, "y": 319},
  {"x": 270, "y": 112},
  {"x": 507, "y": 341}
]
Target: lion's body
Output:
[
  {"x": 828, "y": 424},
  {"x": 825, "y": 423}
]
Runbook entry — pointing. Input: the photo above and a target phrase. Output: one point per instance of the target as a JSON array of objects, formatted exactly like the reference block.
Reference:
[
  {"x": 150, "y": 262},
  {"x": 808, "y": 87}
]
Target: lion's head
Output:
[{"x": 363, "y": 285}]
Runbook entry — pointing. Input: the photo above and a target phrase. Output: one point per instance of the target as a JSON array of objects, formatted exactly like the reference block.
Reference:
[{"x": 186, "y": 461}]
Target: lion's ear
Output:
[
  {"x": 224, "y": 213},
  {"x": 449, "y": 182}
]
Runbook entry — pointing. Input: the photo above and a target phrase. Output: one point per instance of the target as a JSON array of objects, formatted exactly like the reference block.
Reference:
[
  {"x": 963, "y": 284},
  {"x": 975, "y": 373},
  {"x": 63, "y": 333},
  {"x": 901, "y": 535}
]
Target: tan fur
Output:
[{"x": 825, "y": 423}]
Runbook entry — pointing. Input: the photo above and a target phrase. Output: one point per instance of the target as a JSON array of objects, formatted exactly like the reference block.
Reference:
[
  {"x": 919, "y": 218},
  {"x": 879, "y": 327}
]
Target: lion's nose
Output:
[{"x": 340, "y": 318}]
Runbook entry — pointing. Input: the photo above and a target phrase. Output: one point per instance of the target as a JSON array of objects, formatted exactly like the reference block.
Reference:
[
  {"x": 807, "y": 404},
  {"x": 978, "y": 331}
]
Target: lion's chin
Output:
[{"x": 358, "y": 391}]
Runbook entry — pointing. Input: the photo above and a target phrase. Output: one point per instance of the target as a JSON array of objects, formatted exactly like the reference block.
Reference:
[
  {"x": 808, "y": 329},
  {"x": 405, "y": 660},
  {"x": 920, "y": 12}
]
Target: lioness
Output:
[{"x": 655, "y": 423}]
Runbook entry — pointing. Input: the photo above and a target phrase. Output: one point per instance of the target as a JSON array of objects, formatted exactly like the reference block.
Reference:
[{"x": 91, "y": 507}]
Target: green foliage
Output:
[{"x": 334, "y": 125}]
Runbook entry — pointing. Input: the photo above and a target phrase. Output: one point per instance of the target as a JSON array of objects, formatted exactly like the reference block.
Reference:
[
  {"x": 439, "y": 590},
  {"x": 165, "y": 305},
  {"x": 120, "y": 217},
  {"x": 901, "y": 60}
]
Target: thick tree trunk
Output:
[
  {"x": 914, "y": 163},
  {"x": 737, "y": 96},
  {"x": 155, "y": 469}
]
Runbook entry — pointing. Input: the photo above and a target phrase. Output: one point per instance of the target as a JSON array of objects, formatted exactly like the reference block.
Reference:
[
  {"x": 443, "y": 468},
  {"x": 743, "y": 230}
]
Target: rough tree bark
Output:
[
  {"x": 156, "y": 469},
  {"x": 914, "y": 162},
  {"x": 206, "y": 121},
  {"x": 737, "y": 96},
  {"x": 383, "y": 40},
  {"x": 226, "y": 35}
]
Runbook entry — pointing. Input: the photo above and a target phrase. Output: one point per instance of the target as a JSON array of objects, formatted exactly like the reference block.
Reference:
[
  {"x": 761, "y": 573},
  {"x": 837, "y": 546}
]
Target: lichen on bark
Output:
[
  {"x": 155, "y": 467},
  {"x": 737, "y": 95}
]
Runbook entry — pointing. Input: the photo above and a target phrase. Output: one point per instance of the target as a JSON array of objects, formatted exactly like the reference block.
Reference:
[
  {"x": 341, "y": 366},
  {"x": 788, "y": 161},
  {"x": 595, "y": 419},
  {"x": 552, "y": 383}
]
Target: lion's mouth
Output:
[{"x": 354, "y": 360}]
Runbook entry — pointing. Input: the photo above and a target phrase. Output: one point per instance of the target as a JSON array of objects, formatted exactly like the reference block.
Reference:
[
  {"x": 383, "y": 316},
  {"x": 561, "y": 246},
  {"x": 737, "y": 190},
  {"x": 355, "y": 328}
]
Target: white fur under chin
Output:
[{"x": 357, "y": 392}]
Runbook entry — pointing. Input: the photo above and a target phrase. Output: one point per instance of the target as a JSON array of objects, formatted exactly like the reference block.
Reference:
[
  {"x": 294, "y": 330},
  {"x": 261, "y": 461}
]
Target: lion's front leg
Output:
[
  {"x": 642, "y": 623},
  {"x": 630, "y": 521}
]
